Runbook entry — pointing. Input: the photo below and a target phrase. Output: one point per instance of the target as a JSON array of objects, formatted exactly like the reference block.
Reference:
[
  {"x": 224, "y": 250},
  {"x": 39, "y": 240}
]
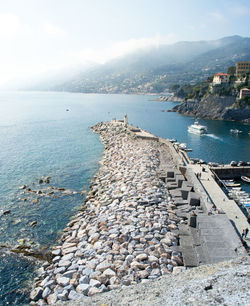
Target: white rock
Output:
[
  {"x": 83, "y": 289},
  {"x": 64, "y": 263},
  {"x": 46, "y": 292},
  {"x": 52, "y": 298},
  {"x": 84, "y": 279},
  {"x": 103, "y": 266},
  {"x": 69, "y": 273},
  {"x": 56, "y": 252},
  {"x": 73, "y": 295},
  {"x": 36, "y": 294},
  {"x": 62, "y": 281},
  {"x": 63, "y": 296},
  {"x": 141, "y": 257},
  {"x": 94, "y": 283},
  {"x": 67, "y": 257},
  {"x": 109, "y": 272},
  {"x": 177, "y": 270},
  {"x": 152, "y": 259}
]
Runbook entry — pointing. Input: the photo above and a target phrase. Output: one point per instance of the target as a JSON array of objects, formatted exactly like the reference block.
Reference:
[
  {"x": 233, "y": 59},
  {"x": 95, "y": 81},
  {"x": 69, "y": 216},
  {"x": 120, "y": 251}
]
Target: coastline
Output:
[{"x": 124, "y": 233}]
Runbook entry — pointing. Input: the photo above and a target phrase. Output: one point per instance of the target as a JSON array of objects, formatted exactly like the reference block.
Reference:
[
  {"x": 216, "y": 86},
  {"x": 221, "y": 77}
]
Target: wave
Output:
[{"x": 213, "y": 136}]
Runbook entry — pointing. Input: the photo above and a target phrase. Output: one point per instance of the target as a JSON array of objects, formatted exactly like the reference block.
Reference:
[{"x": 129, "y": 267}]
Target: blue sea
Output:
[{"x": 48, "y": 134}]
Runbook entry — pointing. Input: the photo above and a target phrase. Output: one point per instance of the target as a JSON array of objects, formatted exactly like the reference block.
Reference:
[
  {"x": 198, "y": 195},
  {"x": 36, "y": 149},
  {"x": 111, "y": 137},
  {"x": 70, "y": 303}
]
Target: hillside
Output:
[{"x": 156, "y": 69}]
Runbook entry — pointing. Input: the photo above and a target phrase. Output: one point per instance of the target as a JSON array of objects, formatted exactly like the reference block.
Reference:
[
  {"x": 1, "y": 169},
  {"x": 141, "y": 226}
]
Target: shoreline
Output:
[{"x": 125, "y": 231}]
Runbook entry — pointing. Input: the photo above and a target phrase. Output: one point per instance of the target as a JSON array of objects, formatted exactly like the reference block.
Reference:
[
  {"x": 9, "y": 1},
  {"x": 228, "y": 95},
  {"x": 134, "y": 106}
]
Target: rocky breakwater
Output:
[{"x": 125, "y": 231}]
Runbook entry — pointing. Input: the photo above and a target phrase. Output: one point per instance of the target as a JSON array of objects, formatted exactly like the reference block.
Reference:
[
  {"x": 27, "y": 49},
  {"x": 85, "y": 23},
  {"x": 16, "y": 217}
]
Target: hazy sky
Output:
[{"x": 37, "y": 36}]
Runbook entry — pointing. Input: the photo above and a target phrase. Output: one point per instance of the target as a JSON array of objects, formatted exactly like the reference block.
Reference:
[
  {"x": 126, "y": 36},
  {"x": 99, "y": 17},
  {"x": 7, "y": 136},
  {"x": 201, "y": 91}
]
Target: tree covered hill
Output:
[{"x": 157, "y": 69}]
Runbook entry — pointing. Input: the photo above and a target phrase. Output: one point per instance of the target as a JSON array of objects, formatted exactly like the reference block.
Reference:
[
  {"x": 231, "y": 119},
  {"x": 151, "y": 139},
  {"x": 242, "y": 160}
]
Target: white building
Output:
[
  {"x": 244, "y": 92},
  {"x": 221, "y": 78}
]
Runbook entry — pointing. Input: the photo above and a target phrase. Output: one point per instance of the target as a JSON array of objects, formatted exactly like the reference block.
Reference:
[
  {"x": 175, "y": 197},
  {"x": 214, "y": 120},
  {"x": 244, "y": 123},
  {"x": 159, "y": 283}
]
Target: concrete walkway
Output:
[{"x": 219, "y": 198}]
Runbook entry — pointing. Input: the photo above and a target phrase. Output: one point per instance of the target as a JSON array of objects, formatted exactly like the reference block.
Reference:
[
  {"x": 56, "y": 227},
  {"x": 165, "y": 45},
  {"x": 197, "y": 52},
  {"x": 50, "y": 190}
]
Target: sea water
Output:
[{"x": 48, "y": 134}]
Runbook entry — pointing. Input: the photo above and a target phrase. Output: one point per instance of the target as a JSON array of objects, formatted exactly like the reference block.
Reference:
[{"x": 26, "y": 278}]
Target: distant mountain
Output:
[{"x": 157, "y": 69}]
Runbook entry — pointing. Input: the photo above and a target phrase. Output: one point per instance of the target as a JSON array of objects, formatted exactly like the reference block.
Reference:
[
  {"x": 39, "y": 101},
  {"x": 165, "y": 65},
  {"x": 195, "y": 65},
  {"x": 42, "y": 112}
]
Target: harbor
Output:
[
  {"x": 69, "y": 152},
  {"x": 211, "y": 180},
  {"x": 148, "y": 213}
]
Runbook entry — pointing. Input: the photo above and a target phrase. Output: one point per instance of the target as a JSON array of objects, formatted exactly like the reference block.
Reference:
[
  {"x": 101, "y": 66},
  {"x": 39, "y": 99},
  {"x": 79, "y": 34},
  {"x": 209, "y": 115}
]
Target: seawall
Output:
[
  {"x": 138, "y": 223},
  {"x": 125, "y": 232}
]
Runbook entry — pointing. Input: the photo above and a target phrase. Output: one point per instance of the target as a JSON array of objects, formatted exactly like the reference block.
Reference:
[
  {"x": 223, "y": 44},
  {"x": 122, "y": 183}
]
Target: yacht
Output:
[{"x": 196, "y": 128}]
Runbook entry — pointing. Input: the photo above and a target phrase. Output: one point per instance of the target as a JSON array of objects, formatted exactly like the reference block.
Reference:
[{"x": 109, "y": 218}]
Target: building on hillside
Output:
[
  {"x": 242, "y": 68},
  {"x": 244, "y": 92},
  {"x": 221, "y": 78}
]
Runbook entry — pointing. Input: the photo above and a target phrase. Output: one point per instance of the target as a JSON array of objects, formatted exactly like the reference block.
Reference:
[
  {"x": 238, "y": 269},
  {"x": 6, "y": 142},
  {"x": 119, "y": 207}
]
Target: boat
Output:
[
  {"x": 172, "y": 140},
  {"x": 245, "y": 179},
  {"x": 236, "y": 188},
  {"x": 196, "y": 128},
  {"x": 183, "y": 146},
  {"x": 232, "y": 184},
  {"x": 235, "y": 131}
]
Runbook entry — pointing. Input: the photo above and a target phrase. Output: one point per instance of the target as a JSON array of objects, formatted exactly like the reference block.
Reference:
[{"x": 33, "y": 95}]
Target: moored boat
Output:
[
  {"x": 235, "y": 131},
  {"x": 232, "y": 184},
  {"x": 245, "y": 179}
]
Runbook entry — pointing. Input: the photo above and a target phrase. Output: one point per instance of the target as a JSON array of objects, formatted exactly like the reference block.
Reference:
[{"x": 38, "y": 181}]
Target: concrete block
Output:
[
  {"x": 189, "y": 257},
  {"x": 192, "y": 221},
  {"x": 193, "y": 199},
  {"x": 186, "y": 241},
  {"x": 177, "y": 172},
  {"x": 179, "y": 179},
  {"x": 187, "y": 184},
  {"x": 169, "y": 180},
  {"x": 171, "y": 173},
  {"x": 171, "y": 186},
  {"x": 175, "y": 193},
  {"x": 185, "y": 192},
  {"x": 184, "y": 230}
]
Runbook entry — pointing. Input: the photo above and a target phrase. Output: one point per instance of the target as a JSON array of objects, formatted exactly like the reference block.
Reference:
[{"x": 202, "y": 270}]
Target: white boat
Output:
[
  {"x": 245, "y": 179},
  {"x": 196, "y": 128},
  {"x": 232, "y": 184},
  {"x": 235, "y": 131},
  {"x": 183, "y": 146}
]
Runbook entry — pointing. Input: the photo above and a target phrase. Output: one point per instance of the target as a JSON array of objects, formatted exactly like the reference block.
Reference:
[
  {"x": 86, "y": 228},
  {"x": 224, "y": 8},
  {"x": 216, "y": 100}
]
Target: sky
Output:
[{"x": 38, "y": 37}]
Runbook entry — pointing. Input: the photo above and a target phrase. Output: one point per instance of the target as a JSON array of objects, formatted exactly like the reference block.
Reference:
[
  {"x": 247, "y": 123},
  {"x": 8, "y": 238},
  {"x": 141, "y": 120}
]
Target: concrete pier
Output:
[
  {"x": 219, "y": 198},
  {"x": 229, "y": 172}
]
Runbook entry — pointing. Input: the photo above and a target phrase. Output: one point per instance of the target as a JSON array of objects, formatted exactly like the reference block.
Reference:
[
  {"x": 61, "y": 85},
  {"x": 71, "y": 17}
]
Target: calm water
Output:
[{"x": 38, "y": 137}]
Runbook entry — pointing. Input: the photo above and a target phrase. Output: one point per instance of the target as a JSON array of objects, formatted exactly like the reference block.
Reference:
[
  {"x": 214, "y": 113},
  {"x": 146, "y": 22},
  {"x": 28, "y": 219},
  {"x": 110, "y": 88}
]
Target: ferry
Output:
[{"x": 196, "y": 128}]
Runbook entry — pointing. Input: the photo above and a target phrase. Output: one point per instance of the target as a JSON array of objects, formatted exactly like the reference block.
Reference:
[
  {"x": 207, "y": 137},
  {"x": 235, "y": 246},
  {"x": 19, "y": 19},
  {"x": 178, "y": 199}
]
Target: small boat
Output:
[
  {"x": 227, "y": 181},
  {"x": 235, "y": 131},
  {"x": 172, "y": 140},
  {"x": 196, "y": 128},
  {"x": 183, "y": 146},
  {"x": 232, "y": 184},
  {"x": 236, "y": 188},
  {"x": 245, "y": 179}
]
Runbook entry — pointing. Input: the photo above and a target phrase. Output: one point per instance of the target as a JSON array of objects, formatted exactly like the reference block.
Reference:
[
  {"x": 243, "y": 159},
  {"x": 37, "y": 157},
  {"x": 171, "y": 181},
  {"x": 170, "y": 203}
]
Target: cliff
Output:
[{"x": 215, "y": 107}]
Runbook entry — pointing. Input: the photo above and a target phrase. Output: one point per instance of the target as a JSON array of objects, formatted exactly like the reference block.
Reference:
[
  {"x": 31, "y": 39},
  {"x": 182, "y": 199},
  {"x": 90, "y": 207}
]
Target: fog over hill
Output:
[{"x": 156, "y": 69}]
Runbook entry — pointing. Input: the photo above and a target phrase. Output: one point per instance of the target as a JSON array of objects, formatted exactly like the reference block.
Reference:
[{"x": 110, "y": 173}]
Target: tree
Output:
[
  {"x": 175, "y": 87},
  {"x": 231, "y": 70}
]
